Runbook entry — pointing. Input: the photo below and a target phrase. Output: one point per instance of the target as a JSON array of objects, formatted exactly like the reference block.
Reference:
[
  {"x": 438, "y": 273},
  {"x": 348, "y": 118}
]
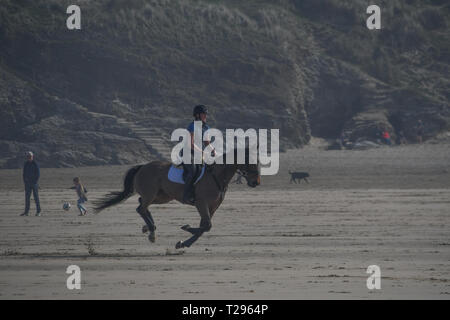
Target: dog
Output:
[{"x": 299, "y": 176}]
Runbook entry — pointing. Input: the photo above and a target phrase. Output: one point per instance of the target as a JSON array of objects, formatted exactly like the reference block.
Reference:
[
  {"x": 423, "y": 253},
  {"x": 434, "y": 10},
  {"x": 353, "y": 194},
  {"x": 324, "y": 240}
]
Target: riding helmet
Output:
[{"x": 199, "y": 109}]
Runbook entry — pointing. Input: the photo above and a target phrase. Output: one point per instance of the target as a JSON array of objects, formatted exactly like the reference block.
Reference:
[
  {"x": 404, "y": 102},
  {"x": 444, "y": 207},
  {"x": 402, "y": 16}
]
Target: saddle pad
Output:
[{"x": 176, "y": 174}]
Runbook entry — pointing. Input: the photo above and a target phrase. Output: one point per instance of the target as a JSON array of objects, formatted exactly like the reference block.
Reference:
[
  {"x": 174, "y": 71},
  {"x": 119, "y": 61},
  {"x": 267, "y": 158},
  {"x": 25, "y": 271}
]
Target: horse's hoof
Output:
[
  {"x": 179, "y": 245},
  {"x": 145, "y": 229},
  {"x": 152, "y": 236},
  {"x": 185, "y": 227}
]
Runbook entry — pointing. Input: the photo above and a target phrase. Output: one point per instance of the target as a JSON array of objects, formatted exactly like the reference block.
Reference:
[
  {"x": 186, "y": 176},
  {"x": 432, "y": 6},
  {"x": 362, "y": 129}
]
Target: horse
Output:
[{"x": 151, "y": 182}]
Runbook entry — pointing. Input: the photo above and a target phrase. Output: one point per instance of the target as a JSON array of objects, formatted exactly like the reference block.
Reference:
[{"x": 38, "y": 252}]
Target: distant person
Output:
[
  {"x": 31, "y": 174},
  {"x": 420, "y": 131},
  {"x": 379, "y": 135},
  {"x": 81, "y": 192},
  {"x": 386, "y": 137},
  {"x": 402, "y": 138},
  {"x": 344, "y": 141}
]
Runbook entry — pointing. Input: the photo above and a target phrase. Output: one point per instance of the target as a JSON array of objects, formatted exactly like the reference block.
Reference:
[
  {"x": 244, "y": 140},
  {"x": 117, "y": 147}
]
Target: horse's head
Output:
[{"x": 251, "y": 173}]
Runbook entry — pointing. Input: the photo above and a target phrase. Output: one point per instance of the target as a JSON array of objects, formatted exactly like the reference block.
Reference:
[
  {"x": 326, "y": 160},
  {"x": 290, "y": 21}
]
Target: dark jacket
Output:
[{"x": 31, "y": 172}]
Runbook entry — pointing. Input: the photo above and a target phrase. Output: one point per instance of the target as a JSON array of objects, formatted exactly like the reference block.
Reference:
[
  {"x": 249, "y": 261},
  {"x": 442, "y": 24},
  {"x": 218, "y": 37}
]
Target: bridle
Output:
[{"x": 245, "y": 173}]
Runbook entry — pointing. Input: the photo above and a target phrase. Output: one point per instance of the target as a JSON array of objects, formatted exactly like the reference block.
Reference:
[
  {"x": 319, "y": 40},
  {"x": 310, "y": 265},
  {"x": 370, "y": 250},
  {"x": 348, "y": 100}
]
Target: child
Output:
[{"x": 81, "y": 192}]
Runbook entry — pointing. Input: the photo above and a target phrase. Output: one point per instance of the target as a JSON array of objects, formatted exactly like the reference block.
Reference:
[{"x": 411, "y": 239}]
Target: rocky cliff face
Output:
[{"x": 112, "y": 92}]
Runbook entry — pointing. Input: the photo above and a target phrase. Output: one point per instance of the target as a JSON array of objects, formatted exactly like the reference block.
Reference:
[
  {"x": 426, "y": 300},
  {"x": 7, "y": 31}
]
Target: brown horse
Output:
[{"x": 151, "y": 183}]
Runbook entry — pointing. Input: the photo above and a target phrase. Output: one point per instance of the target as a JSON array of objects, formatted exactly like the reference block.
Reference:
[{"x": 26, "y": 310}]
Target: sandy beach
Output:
[{"x": 388, "y": 207}]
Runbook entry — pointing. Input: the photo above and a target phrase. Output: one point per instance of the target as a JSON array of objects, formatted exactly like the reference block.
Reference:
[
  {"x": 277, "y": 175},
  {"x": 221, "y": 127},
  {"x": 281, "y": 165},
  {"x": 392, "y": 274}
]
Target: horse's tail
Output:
[{"x": 115, "y": 197}]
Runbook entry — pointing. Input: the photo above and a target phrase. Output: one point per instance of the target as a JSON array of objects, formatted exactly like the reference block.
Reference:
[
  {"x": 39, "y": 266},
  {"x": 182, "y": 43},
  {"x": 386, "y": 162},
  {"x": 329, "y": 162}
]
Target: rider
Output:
[{"x": 191, "y": 169}]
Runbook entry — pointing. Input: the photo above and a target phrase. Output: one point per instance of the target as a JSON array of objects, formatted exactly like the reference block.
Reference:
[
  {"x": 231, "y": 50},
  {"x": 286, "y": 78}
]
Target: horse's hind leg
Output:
[
  {"x": 147, "y": 216},
  {"x": 146, "y": 228}
]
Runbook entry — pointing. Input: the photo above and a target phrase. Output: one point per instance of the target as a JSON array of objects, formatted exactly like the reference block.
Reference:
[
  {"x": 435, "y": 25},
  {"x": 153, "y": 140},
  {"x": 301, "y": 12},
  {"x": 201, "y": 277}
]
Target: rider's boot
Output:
[{"x": 188, "y": 195}]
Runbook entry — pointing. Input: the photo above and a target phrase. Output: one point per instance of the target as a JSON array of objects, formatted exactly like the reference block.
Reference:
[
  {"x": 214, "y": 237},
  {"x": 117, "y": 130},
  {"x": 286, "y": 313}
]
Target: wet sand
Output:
[{"x": 389, "y": 207}]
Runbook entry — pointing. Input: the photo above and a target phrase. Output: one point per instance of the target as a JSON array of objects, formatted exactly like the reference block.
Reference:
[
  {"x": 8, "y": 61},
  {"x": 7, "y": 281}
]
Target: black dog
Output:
[{"x": 299, "y": 176}]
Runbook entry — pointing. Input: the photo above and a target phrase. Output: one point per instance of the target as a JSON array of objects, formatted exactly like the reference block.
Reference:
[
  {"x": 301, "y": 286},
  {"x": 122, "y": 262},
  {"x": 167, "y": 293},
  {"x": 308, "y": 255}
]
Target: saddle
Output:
[{"x": 176, "y": 174}]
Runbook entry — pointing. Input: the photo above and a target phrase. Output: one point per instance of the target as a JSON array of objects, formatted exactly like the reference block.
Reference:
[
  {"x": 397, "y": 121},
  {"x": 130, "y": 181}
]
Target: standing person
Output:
[
  {"x": 386, "y": 137},
  {"x": 81, "y": 192},
  {"x": 191, "y": 169},
  {"x": 31, "y": 174},
  {"x": 420, "y": 128},
  {"x": 402, "y": 138},
  {"x": 344, "y": 140}
]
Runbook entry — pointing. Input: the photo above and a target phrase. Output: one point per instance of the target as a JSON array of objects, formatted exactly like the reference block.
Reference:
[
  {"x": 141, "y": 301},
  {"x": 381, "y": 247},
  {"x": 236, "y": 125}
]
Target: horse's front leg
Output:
[
  {"x": 212, "y": 208},
  {"x": 145, "y": 228},
  {"x": 205, "y": 226}
]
